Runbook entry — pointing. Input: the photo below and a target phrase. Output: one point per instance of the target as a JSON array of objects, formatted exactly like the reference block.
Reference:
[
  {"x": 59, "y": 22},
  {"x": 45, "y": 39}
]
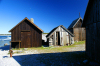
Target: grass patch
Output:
[
  {"x": 79, "y": 42},
  {"x": 45, "y": 33},
  {"x": 16, "y": 48},
  {"x": 51, "y": 49}
]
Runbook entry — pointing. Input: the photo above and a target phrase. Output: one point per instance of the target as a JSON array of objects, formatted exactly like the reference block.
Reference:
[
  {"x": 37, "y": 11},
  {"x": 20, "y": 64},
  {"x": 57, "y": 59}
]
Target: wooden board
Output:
[{"x": 25, "y": 39}]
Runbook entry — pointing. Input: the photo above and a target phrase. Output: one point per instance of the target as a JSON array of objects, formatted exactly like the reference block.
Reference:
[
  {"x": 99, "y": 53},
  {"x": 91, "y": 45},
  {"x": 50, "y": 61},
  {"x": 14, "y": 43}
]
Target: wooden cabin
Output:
[
  {"x": 77, "y": 30},
  {"x": 26, "y": 34},
  {"x": 60, "y": 36},
  {"x": 91, "y": 22}
]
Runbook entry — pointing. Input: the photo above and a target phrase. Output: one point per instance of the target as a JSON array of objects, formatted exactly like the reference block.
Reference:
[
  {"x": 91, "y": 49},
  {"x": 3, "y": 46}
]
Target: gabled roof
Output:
[
  {"x": 52, "y": 31},
  {"x": 56, "y": 28},
  {"x": 29, "y": 22},
  {"x": 90, "y": 3},
  {"x": 74, "y": 22}
]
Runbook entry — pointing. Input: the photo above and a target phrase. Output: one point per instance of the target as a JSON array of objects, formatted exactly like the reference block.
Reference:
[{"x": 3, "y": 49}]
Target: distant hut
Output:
[
  {"x": 92, "y": 24},
  {"x": 60, "y": 36},
  {"x": 26, "y": 34},
  {"x": 44, "y": 37},
  {"x": 77, "y": 30}
]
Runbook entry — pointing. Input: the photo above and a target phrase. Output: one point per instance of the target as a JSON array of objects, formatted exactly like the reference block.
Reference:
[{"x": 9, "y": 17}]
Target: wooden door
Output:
[
  {"x": 57, "y": 38},
  {"x": 25, "y": 39}
]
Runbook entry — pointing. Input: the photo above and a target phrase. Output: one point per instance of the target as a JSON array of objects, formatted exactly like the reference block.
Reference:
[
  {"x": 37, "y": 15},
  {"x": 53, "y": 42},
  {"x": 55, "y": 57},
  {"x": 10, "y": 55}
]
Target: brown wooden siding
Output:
[
  {"x": 79, "y": 34},
  {"x": 78, "y": 31},
  {"x": 78, "y": 25},
  {"x": 36, "y": 35}
]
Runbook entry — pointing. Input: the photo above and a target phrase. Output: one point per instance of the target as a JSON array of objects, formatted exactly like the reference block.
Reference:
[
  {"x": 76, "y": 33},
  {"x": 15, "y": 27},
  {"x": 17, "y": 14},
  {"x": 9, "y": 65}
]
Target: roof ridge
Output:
[
  {"x": 28, "y": 21},
  {"x": 74, "y": 22}
]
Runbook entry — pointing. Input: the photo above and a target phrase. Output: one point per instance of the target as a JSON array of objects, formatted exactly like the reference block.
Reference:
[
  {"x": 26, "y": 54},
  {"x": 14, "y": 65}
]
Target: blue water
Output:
[{"x": 4, "y": 39}]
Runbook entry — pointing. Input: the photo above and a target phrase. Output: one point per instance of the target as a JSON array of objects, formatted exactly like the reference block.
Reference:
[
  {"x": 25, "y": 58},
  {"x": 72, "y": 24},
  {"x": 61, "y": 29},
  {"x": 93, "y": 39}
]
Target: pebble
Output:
[{"x": 85, "y": 61}]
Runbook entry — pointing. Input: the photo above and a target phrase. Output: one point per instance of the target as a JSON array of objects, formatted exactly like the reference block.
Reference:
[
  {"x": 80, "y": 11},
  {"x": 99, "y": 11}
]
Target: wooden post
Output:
[
  {"x": 19, "y": 44},
  {"x": 81, "y": 33}
]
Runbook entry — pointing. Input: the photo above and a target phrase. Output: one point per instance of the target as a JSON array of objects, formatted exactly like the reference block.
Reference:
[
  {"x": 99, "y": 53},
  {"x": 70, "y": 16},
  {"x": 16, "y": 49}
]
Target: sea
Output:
[{"x": 5, "y": 39}]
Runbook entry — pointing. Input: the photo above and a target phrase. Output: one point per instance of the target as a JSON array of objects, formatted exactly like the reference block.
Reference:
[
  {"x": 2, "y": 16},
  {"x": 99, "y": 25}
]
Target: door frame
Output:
[
  {"x": 21, "y": 37},
  {"x": 57, "y": 37}
]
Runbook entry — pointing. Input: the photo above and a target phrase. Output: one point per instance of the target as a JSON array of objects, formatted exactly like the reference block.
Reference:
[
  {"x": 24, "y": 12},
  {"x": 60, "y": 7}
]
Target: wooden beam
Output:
[
  {"x": 25, "y": 30},
  {"x": 15, "y": 41},
  {"x": 19, "y": 45}
]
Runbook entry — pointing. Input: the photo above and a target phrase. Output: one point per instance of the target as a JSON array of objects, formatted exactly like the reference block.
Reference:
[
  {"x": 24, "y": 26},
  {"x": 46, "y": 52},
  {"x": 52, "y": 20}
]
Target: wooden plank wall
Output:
[
  {"x": 79, "y": 34},
  {"x": 78, "y": 31},
  {"x": 36, "y": 35},
  {"x": 93, "y": 31}
]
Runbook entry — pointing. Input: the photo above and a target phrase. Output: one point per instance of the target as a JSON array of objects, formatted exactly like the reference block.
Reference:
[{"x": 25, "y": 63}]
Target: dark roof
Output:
[
  {"x": 52, "y": 31},
  {"x": 56, "y": 28},
  {"x": 74, "y": 22},
  {"x": 68, "y": 31},
  {"x": 28, "y": 21}
]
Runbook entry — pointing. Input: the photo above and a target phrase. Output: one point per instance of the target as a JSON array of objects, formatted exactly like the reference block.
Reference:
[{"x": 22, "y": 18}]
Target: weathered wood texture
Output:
[
  {"x": 78, "y": 24},
  {"x": 60, "y": 36},
  {"x": 28, "y": 34},
  {"x": 92, "y": 23},
  {"x": 79, "y": 34},
  {"x": 78, "y": 31}
]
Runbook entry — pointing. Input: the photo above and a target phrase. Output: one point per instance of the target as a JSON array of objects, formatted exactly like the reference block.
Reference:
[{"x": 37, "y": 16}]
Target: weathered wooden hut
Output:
[
  {"x": 91, "y": 22},
  {"x": 77, "y": 30},
  {"x": 60, "y": 36},
  {"x": 26, "y": 34}
]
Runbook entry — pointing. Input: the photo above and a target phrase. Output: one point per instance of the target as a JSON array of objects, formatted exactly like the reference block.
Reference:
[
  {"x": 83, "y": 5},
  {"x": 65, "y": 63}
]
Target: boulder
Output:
[
  {"x": 5, "y": 44},
  {"x": 85, "y": 61}
]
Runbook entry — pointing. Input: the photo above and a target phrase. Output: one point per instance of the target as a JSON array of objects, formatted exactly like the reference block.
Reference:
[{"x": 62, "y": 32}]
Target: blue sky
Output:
[{"x": 47, "y": 14}]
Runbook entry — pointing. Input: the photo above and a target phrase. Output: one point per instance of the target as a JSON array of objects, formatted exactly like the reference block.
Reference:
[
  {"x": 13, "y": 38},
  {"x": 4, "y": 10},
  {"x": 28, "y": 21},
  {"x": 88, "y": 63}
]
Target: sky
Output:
[{"x": 47, "y": 14}]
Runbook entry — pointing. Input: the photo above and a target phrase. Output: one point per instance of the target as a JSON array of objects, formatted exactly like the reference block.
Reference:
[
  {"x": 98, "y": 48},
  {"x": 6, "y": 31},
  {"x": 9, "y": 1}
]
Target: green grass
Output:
[
  {"x": 80, "y": 42},
  {"x": 52, "y": 48},
  {"x": 45, "y": 33}
]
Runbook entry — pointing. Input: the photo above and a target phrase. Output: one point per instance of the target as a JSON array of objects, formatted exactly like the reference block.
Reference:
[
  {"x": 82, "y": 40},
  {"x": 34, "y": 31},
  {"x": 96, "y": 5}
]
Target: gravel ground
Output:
[
  {"x": 74, "y": 57},
  {"x": 80, "y": 47}
]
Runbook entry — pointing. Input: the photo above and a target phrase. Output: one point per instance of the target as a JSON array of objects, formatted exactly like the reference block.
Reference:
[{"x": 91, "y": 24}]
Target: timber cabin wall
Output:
[
  {"x": 35, "y": 38},
  {"x": 92, "y": 23},
  {"x": 63, "y": 38},
  {"x": 78, "y": 31}
]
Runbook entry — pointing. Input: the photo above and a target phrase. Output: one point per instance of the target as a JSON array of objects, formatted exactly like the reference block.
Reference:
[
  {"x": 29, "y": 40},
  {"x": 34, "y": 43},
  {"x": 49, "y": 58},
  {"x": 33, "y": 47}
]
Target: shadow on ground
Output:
[
  {"x": 5, "y": 48},
  {"x": 52, "y": 59}
]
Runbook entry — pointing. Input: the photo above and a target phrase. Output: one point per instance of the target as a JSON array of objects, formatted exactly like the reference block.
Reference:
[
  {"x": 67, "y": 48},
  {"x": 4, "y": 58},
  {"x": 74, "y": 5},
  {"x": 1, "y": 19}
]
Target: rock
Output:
[
  {"x": 20, "y": 51},
  {"x": 5, "y": 44},
  {"x": 85, "y": 61}
]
